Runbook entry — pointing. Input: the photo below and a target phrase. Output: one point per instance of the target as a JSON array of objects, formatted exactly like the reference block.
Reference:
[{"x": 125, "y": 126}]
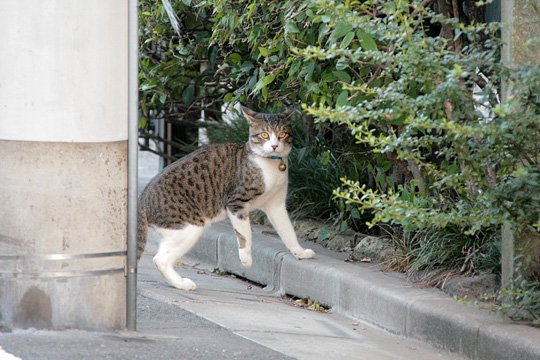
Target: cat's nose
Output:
[{"x": 274, "y": 147}]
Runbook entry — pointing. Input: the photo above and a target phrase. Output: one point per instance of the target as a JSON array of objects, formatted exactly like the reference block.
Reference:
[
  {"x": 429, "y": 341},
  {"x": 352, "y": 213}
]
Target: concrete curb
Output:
[{"x": 385, "y": 300}]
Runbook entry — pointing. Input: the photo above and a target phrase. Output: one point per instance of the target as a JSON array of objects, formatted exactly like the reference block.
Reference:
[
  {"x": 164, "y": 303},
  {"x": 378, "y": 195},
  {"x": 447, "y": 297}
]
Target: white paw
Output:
[
  {"x": 185, "y": 284},
  {"x": 245, "y": 258},
  {"x": 304, "y": 254}
]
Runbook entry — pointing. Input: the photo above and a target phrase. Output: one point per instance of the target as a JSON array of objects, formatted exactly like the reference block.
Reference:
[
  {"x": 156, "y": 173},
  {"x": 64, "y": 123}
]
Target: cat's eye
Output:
[
  {"x": 282, "y": 135},
  {"x": 264, "y": 135}
]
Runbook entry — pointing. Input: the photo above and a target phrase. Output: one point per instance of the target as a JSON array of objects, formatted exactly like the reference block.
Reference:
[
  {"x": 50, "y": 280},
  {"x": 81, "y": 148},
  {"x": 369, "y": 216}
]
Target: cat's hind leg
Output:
[
  {"x": 242, "y": 228},
  {"x": 173, "y": 245}
]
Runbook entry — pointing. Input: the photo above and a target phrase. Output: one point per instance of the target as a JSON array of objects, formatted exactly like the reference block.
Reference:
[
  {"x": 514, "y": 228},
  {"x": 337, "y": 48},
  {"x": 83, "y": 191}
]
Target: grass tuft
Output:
[{"x": 431, "y": 256}]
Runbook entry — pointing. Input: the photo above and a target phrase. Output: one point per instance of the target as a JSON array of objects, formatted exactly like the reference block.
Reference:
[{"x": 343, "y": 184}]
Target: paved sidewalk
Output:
[
  {"x": 265, "y": 318},
  {"x": 363, "y": 292}
]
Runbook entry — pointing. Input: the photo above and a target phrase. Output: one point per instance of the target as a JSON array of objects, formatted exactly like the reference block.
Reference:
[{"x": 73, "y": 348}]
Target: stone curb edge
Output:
[{"x": 369, "y": 295}]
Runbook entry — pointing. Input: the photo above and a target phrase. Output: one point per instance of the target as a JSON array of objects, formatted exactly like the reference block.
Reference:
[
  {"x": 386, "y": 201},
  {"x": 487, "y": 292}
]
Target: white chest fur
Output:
[{"x": 275, "y": 180}]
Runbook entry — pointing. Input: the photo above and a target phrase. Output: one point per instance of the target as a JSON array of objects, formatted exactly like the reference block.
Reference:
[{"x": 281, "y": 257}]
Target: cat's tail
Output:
[{"x": 142, "y": 230}]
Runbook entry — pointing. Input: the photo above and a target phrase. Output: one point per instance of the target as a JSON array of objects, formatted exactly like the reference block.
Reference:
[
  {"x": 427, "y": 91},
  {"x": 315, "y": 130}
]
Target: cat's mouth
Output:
[
  {"x": 280, "y": 152},
  {"x": 276, "y": 153}
]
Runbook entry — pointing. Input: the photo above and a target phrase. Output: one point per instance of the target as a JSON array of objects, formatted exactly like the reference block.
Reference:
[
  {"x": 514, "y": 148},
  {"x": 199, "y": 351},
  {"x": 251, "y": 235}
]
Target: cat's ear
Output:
[{"x": 250, "y": 115}]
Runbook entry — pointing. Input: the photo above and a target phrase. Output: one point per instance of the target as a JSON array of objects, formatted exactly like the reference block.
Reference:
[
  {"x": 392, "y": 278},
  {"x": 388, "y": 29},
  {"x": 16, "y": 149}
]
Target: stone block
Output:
[
  {"x": 315, "y": 279},
  {"x": 501, "y": 341},
  {"x": 445, "y": 324}
]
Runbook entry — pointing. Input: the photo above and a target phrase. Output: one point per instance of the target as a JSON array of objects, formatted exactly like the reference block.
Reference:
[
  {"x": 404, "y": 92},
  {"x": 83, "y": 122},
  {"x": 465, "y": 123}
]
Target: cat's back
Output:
[
  {"x": 217, "y": 160},
  {"x": 203, "y": 169},
  {"x": 196, "y": 187}
]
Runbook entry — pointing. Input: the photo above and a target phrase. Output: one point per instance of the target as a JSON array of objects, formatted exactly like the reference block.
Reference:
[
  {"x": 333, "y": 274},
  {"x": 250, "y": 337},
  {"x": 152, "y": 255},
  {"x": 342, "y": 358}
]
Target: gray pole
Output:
[
  {"x": 133, "y": 144},
  {"x": 520, "y": 32},
  {"x": 507, "y": 236}
]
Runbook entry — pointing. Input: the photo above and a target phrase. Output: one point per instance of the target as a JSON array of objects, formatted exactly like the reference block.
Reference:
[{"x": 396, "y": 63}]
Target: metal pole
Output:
[
  {"x": 507, "y": 236},
  {"x": 133, "y": 145}
]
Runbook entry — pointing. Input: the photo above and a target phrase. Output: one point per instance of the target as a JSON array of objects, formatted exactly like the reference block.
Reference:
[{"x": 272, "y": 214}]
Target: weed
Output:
[
  {"x": 433, "y": 255},
  {"x": 521, "y": 301}
]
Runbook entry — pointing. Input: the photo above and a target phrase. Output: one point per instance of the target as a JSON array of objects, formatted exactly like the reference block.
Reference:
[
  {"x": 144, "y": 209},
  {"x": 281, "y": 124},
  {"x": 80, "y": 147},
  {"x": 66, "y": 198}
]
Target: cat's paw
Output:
[
  {"x": 185, "y": 284},
  {"x": 245, "y": 258},
  {"x": 304, "y": 254}
]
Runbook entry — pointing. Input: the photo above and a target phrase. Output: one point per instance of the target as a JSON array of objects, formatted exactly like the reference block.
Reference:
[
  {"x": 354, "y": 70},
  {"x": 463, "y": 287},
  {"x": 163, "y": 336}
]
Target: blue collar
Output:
[{"x": 274, "y": 157}]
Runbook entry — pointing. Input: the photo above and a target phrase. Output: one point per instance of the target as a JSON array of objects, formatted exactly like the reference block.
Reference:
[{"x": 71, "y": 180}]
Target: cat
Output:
[{"x": 219, "y": 181}]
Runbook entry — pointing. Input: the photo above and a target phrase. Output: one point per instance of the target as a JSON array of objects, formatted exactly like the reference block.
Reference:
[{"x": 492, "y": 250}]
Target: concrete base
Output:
[{"x": 63, "y": 234}]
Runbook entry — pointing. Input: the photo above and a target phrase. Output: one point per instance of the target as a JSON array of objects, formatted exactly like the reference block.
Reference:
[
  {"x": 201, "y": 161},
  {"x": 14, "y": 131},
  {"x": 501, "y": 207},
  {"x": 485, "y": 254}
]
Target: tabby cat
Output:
[{"x": 219, "y": 181}]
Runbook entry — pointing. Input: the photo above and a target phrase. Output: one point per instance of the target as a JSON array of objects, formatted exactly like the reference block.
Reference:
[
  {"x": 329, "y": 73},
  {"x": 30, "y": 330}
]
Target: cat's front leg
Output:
[
  {"x": 242, "y": 228},
  {"x": 278, "y": 216}
]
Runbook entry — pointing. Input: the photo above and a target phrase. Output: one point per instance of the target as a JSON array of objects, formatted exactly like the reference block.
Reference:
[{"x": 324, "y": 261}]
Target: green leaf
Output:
[
  {"x": 322, "y": 31},
  {"x": 162, "y": 98},
  {"x": 234, "y": 58},
  {"x": 268, "y": 79},
  {"x": 145, "y": 87},
  {"x": 328, "y": 76},
  {"x": 342, "y": 76},
  {"x": 183, "y": 51},
  {"x": 342, "y": 64},
  {"x": 347, "y": 39},
  {"x": 263, "y": 51},
  {"x": 324, "y": 158},
  {"x": 341, "y": 30},
  {"x": 343, "y": 98},
  {"x": 188, "y": 95},
  {"x": 212, "y": 55},
  {"x": 308, "y": 70},
  {"x": 324, "y": 235},
  {"x": 291, "y": 28},
  {"x": 366, "y": 41},
  {"x": 246, "y": 66},
  {"x": 142, "y": 122},
  {"x": 355, "y": 214}
]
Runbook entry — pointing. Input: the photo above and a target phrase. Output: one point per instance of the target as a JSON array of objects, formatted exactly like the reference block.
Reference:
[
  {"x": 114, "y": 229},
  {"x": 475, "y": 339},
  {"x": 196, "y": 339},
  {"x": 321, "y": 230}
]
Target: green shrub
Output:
[{"x": 468, "y": 171}]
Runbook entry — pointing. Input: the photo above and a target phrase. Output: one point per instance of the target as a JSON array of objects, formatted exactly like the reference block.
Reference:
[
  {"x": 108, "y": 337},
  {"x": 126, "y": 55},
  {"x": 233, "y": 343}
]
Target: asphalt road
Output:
[{"x": 165, "y": 332}]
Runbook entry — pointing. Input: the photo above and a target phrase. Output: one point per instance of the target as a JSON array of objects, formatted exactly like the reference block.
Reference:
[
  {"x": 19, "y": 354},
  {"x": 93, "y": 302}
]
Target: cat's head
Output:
[{"x": 269, "y": 134}]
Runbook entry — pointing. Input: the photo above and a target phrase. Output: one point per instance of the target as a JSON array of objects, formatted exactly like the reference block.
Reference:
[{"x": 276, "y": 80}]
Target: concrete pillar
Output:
[
  {"x": 521, "y": 31},
  {"x": 63, "y": 163}
]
